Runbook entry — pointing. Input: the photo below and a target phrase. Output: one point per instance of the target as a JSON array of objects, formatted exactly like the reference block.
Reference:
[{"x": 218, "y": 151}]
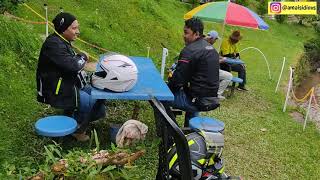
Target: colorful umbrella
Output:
[{"x": 228, "y": 13}]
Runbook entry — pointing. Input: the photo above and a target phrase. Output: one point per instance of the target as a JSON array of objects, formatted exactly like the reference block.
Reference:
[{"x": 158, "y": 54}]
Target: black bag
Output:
[{"x": 207, "y": 103}]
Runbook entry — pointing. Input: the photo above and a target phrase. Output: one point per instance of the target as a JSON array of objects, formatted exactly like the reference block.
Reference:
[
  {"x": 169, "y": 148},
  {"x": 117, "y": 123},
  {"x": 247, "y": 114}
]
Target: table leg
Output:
[{"x": 136, "y": 111}]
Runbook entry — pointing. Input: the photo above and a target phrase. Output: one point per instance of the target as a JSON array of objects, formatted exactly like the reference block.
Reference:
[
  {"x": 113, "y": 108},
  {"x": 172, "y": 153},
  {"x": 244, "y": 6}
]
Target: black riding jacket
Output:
[
  {"x": 58, "y": 71},
  {"x": 197, "y": 70}
]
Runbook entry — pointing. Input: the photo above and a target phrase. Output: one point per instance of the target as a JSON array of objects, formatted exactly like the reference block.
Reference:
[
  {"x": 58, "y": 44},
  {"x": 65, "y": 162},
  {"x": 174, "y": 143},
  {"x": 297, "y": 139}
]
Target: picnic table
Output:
[
  {"x": 149, "y": 84},
  {"x": 233, "y": 61},
  {"x": 150, "y": 87}
]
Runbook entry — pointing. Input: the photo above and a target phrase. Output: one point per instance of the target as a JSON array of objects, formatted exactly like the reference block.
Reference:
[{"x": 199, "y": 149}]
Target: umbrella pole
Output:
[{"x": 223, "y": 26}]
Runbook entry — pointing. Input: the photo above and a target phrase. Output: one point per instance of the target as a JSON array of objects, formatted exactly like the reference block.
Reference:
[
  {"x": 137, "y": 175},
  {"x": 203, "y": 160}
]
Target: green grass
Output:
[
  {"x": 284, "y": 151},
  {"x": 18, "y": 108}
]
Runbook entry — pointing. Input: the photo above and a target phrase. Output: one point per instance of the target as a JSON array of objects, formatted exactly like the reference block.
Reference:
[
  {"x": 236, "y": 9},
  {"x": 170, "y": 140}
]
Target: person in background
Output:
[
  {"x": 229, "y": 48},
  {"x": 61, "y": 80},
  {"x": 195, "y": 78},
  {"x": 225, "y": 77}
]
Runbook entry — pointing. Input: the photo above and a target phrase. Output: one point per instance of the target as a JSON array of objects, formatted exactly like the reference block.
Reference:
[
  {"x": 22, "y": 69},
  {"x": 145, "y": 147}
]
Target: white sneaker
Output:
[{"x": 220, "y": 97}]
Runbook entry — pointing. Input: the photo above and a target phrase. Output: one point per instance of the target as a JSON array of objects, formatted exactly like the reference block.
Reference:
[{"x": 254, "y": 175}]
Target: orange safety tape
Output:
[
  {"x": 21, "y": 19},
  {"x": 51, "y": 24},
  {"x": 305, "y": 96}
]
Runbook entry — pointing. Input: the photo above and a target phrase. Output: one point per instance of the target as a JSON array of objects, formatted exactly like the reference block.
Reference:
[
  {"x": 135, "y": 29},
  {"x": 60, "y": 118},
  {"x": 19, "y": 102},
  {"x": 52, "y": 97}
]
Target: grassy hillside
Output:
[
  {"x": 128, "y": 27},
  {"x": 18, "y": 109},
  {"x": 283, "y": 151}
]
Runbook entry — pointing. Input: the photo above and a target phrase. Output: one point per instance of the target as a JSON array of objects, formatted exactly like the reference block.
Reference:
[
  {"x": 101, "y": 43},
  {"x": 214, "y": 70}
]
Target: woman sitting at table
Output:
[{"x": 229, "y": 48}]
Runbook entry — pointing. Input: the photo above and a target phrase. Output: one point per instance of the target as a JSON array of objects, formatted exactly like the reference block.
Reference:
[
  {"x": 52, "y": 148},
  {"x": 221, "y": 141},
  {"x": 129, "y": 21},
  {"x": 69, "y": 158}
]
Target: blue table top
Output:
[
  {"x": 233, "y": 61},
  {"x": 149, "y": 84}
]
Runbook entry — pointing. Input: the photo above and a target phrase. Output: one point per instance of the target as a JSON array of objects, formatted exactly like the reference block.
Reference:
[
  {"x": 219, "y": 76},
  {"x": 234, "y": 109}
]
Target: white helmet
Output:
[{"x": 119, "y": 74}]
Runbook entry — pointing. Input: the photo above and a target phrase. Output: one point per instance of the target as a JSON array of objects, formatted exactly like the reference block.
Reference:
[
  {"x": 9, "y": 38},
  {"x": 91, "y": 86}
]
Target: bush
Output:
[
  {"x": 302, "y": 69},
  {"x": 281, "y": 18},
  {"x": 8, "y": 5},
  {"x": 307, "y": 19},
  {"x": 242, "y": 2},
  {"x": 262, "y": 8},
  {"x": 317, "y": 27},
  {"x": 312, "y": 51}
]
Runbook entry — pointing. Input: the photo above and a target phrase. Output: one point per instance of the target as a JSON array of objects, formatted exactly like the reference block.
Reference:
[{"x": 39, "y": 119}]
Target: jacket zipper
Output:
[
  {"x": 40, "y": 88},
  {"x": 58, "y": 86},
  {"x": 75, "y": 91}
]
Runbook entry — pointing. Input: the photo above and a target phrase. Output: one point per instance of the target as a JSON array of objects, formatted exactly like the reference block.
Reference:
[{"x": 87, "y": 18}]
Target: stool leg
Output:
[
  {"x": 187, "y": 117},
  {"x": 232, "y": 88},
  {"x": 58, "y": 140},
  {"x": 186, "y": 123}
]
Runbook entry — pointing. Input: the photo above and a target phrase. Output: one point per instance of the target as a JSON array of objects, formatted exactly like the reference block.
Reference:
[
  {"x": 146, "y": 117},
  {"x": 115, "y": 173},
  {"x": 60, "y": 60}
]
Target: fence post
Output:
[
  {"x": 288, "y": 91},
  {"x": 284, "y": 61},
  {"x": 148, "y": 52},
  {"x": 308, "y": 110},
  {"x": 47, "y": 24},
  {"x": 165, "y": 53}
]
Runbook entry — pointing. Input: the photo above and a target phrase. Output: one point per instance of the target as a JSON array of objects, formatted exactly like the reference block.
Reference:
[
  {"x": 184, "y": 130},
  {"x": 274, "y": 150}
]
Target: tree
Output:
[
  {"x": 262, "y": 7},
  {"x": 8, "y": 5}
]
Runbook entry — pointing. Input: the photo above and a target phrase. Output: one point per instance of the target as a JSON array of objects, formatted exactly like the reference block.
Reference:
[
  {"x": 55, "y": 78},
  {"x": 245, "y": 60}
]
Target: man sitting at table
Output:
[
  {"x": 195, "y": 79},
  {"x": 225, "y": 77},
  {"x": 229, "y": 48}
]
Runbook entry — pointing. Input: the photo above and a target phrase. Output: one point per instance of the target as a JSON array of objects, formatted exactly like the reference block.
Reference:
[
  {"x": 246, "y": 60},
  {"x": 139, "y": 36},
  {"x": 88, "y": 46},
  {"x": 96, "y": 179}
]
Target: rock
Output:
[{"x": 263, "y": 129}]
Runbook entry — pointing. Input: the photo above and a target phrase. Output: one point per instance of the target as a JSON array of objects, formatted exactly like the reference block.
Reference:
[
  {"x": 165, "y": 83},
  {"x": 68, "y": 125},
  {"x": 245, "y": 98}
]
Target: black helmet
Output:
[{"x": 204, "y": 159}]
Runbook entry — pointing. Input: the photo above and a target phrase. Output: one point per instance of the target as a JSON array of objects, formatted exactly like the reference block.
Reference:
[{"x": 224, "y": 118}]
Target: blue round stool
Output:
[
  {"x": 56, "y": 126},
  {"x": 206, "y": 124}
]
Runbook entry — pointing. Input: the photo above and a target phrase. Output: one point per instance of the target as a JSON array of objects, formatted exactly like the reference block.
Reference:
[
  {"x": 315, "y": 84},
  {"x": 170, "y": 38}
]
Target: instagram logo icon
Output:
[{"x": 275, "y": 7}]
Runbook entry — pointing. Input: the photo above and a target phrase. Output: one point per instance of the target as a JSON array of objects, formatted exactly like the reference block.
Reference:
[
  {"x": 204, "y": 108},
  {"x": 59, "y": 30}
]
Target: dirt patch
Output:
[
  {"x": 297, "y": 116},
  {"x": 314, "y": 114},
  {"x": 312, "y": 81}
]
